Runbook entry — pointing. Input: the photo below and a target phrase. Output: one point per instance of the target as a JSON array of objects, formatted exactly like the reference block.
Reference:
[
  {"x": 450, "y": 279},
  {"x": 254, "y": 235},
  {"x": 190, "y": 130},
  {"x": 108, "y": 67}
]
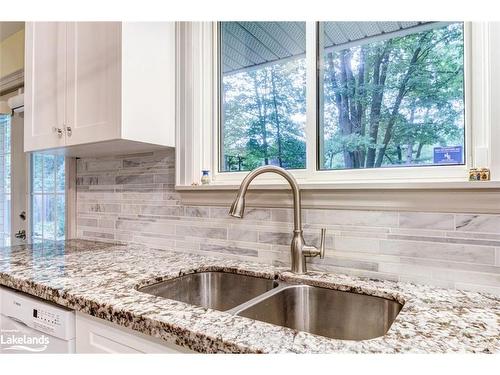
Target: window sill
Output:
[{"x": 360, "y": 185}]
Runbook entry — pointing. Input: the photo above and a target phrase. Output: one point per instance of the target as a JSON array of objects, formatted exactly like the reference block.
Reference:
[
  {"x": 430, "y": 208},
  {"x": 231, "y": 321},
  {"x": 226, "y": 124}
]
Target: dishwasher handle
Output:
[{"x": 19, "y": 321}]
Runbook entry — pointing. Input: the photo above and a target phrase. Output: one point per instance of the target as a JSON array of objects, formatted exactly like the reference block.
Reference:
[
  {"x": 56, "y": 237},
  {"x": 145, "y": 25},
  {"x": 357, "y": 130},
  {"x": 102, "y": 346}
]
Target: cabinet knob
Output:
[
  {"x": 58, "y": 131},
  {"x": 68, "y": 131}
]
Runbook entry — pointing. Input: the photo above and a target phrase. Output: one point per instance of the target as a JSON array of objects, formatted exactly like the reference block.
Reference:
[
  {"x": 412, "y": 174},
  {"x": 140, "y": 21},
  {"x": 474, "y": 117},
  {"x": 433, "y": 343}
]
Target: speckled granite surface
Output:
[{"x": 101, "y": 279}]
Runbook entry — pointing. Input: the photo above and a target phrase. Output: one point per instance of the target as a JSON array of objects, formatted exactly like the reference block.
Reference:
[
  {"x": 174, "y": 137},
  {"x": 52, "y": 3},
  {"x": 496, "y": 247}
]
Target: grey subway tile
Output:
[
  {"x": 466, "y": 241},
  {"x": 352, "y": 244},
  {"x": 196, "y": 211},
  {"x": 429, "y": 250},
  {"x": 346, "y": 263},
  {"x": 424, "y": 220},
  {"x": 261, "y": 214},
  {"x": 352, "y": 217},
  {"x": 235, "y": 250},
  {"x": 165, "y": 178},
  {"x": 478, "y": 223},
  {"x": 145, "y": 226},
  {"x": 194, "y": 231},
  {"x": 241, "y": 234},
  {"x": 134, "y": 179},
  {"x": 102, "y": 235},
  {"x": 275, "y": 238},
  {"x": 98, "y": 207},
  {"x": 162, "y": 210},
  {"x": 86, "y": 222}
]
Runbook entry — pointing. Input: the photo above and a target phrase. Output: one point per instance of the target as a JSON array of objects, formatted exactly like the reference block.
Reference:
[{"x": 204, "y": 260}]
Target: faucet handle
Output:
[
  {"x": 322, "y": 243},
  {"x": 313, "y": 251}
]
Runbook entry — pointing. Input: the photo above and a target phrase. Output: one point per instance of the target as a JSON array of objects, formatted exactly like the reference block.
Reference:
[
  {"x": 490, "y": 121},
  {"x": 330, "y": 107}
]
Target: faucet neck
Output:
[
  {"x": 297, "y": 214},
  {"x": 299, "y": 249}
]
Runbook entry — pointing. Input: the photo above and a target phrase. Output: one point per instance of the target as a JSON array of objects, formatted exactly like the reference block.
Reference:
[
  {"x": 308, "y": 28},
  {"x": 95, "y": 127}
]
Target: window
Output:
[
  {"x": 391, "y": 94},
  {"x": 5, "y": 180},
  {"x": 433, "y": 118},
  {"x": 388, "y": 94},
  {"x": 47, "y": 197},
  {"x": 263, "y": 86}
]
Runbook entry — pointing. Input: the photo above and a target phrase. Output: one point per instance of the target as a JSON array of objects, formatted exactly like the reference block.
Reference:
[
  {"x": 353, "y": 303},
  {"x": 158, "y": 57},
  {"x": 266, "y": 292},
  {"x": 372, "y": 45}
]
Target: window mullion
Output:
[{"x": 311, "y": 97}]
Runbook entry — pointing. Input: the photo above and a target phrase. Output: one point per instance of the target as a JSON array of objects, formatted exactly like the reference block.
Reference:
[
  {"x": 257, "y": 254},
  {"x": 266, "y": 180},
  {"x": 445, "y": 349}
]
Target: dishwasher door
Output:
[
  {"x": 17, "y": 337},
  {"x": 31, "y": 325}
]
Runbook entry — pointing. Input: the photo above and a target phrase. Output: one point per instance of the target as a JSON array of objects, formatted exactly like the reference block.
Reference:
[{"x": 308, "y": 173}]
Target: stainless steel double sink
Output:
[{"x": 325, "y": 312}]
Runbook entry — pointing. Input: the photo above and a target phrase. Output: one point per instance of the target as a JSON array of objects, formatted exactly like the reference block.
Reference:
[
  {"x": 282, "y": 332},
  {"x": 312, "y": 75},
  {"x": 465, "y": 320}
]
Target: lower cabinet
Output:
[{"x": 95, "y": 335}]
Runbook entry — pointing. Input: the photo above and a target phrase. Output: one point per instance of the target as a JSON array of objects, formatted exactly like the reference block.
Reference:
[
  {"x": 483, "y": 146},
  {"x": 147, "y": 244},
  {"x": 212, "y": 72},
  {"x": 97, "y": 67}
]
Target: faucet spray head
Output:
[{"x": 238, "y": 207}]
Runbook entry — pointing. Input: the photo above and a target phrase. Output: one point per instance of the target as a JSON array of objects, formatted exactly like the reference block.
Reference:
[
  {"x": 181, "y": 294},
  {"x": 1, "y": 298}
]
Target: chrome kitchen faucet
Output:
[{"x": 299, "y": 249}]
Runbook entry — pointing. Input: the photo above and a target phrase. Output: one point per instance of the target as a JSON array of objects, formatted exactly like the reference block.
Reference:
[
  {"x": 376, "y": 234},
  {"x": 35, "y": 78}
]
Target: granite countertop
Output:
[{"x": 101, "y": 279}]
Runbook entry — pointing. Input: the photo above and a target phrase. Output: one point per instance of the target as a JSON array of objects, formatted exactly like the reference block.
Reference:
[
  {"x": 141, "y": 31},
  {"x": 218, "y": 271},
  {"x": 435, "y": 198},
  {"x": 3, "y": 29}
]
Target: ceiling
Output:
[
  {"x": 250, "y": 44},
  {"x": 9, "y": 28}
]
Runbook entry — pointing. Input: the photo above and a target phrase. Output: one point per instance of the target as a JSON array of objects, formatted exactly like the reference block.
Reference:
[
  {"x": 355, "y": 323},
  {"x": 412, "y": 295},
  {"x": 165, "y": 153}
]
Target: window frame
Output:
[
  {"x": 219, "y": 175},
  {"x": 55, "y": 194},
  {"x": 69, "y": 201},
  {"x": 199, "y": 85},
  {"x": 450, "y": 171}
]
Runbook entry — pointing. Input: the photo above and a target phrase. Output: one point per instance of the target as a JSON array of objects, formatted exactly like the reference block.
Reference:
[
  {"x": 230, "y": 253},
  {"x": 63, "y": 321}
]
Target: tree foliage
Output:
[{"x": 264, "y": 117}]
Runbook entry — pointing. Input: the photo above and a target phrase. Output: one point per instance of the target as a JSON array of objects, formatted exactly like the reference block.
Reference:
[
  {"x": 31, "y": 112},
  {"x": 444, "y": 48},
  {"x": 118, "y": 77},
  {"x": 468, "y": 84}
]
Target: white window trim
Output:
[{"x": 197, "y": 120}]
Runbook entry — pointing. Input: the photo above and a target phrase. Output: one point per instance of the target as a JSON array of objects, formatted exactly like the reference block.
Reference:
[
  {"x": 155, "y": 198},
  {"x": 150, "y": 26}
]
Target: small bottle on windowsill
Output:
[{"x": 205, "y": 177}]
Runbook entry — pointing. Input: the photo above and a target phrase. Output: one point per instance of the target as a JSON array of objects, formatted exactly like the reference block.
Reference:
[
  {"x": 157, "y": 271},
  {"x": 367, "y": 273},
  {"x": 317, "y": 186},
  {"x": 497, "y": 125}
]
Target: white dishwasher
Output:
[{"x": 31, "y": 325}]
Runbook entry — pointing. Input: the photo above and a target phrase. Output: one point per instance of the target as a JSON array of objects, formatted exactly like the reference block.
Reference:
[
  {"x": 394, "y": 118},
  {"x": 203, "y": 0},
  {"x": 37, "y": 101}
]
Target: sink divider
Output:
[{"x": 281, "y": 286}]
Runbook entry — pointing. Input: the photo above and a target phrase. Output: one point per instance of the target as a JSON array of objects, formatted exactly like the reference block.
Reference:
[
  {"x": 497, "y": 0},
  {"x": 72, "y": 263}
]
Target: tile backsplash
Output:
[{"x": 132, "y": 198}]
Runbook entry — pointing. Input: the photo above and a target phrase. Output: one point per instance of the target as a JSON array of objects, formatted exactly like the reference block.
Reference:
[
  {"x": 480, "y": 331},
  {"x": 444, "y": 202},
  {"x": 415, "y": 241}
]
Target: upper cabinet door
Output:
[
  {"x": 93, "y": 82},
  {"x": 45, "y": 85}
]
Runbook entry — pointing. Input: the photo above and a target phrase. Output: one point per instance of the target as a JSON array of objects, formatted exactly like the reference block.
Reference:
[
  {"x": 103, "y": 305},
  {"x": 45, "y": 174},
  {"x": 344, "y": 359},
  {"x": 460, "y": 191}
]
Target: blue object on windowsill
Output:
[
  {"x": 205, "y": 178},
  {"x": 448, "y": 155}
]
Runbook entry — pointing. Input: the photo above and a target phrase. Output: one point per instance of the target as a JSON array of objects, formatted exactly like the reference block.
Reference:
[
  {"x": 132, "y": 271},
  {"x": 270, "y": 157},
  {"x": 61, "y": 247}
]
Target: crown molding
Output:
[{"x": 12, "y": 81}]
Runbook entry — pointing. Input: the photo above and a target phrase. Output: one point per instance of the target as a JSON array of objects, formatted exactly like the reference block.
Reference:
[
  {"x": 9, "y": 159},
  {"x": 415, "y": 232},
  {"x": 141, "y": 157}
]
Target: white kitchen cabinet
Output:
[
  {"x": 45, "y": 85},
  {"x": 96, "y": 88},
  {"x": 95, "y": 335},
  {"x": 93, "y": 82}
]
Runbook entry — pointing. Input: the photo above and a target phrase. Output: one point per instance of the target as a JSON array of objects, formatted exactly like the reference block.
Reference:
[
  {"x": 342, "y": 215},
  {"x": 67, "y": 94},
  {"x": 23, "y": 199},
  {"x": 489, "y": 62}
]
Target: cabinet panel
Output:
[
  {"x": 93, "y": 87},
  {"x": 45, "y": 85},
  {"x": 95, "y": 335},
  {"x": 148, "y": 82}
]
